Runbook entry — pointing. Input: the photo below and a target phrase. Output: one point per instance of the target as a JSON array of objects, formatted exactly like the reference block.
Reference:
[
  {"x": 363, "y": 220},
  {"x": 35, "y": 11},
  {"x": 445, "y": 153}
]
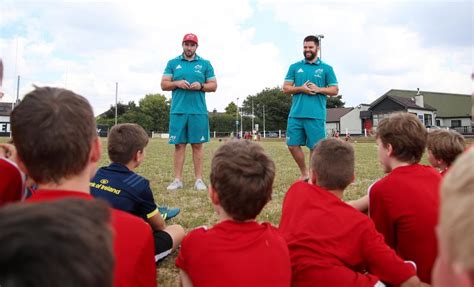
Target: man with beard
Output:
[
  {"x": 310, "y": 81},
  {"x": 189, "y": 77}
]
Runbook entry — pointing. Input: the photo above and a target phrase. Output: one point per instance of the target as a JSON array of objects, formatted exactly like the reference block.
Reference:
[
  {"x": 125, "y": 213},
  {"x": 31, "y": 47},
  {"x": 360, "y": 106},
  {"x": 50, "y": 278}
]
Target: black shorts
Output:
[{"x": 163, "y": 244}]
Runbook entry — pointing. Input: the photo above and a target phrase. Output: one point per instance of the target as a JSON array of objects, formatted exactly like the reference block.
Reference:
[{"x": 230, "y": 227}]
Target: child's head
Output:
[
  {"x": 444, "y": 146},
  {"x": 242, "y": 175},
  {"x": 332, "y": 164},
  {"x": 455, "y": 263},
  {"x": 54, "y": 131},
  {"x": 125, "y": 141},
  {"x": 403, "y": 137}
]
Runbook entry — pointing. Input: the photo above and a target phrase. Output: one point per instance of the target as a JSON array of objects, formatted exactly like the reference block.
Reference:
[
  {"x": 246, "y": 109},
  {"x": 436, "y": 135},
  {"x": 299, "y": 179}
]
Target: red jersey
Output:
[
  {"x": 235, "y": 253},
  {"x": 404, "y": 207},
  {"x": 333, "y": 244},
  {"x": 133, "y": 242},
  {"x": 11, "y": 182}
]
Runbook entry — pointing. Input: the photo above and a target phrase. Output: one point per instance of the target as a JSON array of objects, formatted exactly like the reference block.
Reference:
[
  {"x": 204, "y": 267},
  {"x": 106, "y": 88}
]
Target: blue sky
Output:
[{"x": 373, "y": 46}]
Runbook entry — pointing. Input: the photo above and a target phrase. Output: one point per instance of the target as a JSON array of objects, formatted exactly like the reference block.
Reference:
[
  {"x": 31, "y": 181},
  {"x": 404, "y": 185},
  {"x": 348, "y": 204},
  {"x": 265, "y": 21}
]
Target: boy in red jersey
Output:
[
  {"x": 455, "y": 263},
  {"x": 11, "y": 178},
  {"x": 443, "y": 147},
  {"x": 54, "y": 132},
  {"x": 404, "y": 204},
  {"x": 330, "y": 242},
  {"x": 237, "y": 251}
]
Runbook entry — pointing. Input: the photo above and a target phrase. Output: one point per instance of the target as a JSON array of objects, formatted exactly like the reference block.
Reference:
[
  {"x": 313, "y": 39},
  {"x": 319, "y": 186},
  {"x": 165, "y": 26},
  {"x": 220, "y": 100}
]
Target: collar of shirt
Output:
[
  {"x": 196, "y": 58},
  {"x": 318, "y": 62},
  {"x": 118, "y": 167}
]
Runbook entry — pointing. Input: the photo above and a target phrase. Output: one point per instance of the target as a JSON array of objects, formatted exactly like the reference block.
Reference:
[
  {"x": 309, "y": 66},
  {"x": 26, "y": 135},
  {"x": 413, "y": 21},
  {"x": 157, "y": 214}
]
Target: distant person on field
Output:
[
  {"x": 455, "y": 263},
  {"x": 331, "y": 243},
  {"x": 54, "y": 131},
  {"x": 130, "y": 192},
  {"x": 63, "y": 243},
  {"x": 237, "y": 251},
  {"x": 404, "y": 204},
  {"x": 443, "y": 147}
]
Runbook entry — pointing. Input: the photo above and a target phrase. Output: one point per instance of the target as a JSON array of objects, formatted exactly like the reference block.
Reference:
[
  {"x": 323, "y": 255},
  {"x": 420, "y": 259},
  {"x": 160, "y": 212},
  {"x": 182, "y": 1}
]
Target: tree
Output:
[
  {"x": 231, "y": 109},
  {"x": 335, "y": 102},
  {"x": 157, "y": 108}
]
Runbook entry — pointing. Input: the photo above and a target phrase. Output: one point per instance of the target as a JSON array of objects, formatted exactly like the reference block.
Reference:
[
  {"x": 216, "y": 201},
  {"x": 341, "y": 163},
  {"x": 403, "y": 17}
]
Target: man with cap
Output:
[{"x": 189, "y": 77}]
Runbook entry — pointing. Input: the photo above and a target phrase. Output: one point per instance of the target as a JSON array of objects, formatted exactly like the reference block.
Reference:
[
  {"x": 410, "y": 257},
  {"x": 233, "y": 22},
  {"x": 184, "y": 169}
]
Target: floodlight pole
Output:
[
  {"x": 237, "y": 118},
  {"x": 116, "y": 96},
  {"x": 264, "y": 121},
  {"x": 320, "y": 37}
]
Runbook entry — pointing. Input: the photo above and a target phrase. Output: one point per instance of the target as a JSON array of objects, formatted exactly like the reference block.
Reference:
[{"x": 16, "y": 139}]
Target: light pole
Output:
[
  {"x": 264, "y": 121},
  {"x": 320, "y": 37},
  {"x": 237, "y": 119}
]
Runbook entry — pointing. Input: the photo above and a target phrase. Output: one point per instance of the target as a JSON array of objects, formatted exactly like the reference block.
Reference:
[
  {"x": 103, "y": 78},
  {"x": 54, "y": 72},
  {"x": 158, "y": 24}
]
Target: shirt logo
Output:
[
  {"x": 197, "y": 68},
  {"x": 202, "y": 138},
  {"x": 104, "y": 181},
  {"x": 300, "y": 71},
  {"x": 318, "y": 73},
  {"x": 178, "y": 67}
]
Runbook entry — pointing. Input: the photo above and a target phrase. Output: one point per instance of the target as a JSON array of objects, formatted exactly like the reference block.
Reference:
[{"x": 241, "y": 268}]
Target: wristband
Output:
[{"x": 202, "y": 87}]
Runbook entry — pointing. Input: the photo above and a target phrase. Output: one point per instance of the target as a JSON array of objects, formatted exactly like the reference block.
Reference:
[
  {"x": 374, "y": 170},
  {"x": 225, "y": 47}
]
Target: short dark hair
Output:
[
  {"x": 333, "y": 161},
  {"x": 59, "y": 243},
  {"x": 445, "y": 145},
  {"x": 242, "y": 175},
  {"x": 312, "y": 38},
  {"x": 124, "y": 141},
  {"x": 53, "y": 130},
  {"x": 406, "y": 134}
]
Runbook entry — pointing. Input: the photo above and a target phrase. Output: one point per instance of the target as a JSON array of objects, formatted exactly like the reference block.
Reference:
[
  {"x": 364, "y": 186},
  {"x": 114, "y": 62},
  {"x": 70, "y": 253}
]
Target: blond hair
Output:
[{"x": 456, "y": 224}]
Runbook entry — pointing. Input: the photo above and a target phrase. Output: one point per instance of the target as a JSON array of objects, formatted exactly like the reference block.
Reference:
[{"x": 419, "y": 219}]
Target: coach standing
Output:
[
  {"x": 310, "y": 81},
  {"x": 189, "y": 77}
]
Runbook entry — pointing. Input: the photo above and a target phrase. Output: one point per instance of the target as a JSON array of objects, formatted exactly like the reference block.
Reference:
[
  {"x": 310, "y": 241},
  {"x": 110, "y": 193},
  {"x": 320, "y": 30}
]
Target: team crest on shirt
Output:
[
  {"x": 104, "y": 181},
  {"x": 198, "y": 68},
  {"x": 318, "y": 73}
]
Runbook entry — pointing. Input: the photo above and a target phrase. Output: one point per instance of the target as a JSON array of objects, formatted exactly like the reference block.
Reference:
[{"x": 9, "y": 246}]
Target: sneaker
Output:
[
  {"x": 176, "y": 184},
  {"x": 168, "y": 213},
  {"x": 200, "y": 185}
]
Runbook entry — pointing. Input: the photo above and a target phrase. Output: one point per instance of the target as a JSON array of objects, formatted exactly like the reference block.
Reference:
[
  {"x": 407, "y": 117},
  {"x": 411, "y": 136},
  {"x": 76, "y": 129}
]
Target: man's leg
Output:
[
  {"x": 178, "y": 160},
  {"x": 298, "y": 156},
  {"x": 198, "y": 157},
  {"x": 316, "y": 131}
]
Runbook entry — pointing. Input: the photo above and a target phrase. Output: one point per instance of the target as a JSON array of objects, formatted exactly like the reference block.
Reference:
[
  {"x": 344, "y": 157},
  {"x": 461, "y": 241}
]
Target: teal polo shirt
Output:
[
  {"x": 310, "y": 106},
  {"x": 197, "y": 70}
]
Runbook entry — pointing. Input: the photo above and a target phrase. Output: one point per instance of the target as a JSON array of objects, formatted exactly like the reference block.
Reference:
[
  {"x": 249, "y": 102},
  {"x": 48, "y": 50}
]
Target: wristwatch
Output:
[{"x": 202, "y": 87}]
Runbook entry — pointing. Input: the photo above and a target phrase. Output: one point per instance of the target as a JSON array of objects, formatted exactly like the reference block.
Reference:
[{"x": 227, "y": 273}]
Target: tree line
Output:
[{"x": 152, "y": 112}]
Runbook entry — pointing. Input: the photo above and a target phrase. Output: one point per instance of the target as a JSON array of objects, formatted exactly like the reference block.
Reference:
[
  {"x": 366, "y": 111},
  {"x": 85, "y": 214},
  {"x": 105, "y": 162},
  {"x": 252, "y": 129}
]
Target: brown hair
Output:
[
  {"x": 53, "y": 130},
  {"x": 333, "y": 161},
  {"x": 242, "y": 175},
  {"x": 406, "y": 134},
  {"x": 445, "y": 145},
  {"x": 124, "y": 141},
  {"x": 59, "y": 243},
  {"x": 456, "y": 224}
]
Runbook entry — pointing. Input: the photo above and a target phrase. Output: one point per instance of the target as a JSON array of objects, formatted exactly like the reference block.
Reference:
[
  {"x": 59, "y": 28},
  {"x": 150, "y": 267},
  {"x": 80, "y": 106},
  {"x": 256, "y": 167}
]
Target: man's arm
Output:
[
  {"x": 290, "y": 89},
  {"x": 167, "y": 84},
  {"x": 328, "y": 91},
  {"x": 209, "y": 86}
]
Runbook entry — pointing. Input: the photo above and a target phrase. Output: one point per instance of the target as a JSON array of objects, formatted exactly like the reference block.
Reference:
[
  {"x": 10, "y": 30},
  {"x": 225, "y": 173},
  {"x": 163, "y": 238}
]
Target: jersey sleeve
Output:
[
  {"x": 168, "y": 70},
  {"x": 379, "y": 212},
  {"x": 381, "y": 260},
  {"x": 290, "y": 76},
  {"x": 210, "y": 72},
  {"x": 331, "y": 79},
  {"x": 147, "y": 205}
]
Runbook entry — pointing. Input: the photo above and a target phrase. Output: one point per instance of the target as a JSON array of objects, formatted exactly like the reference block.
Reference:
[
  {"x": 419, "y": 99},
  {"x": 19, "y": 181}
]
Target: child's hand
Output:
[{"x": 8, "y": 151}]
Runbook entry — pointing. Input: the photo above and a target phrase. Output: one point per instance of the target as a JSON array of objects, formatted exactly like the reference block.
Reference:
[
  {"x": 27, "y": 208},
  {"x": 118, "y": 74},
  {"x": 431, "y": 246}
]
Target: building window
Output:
[
  {"x": 455, "y": 123},
  {"x": 438, "y": 123},
  {"x": 428, "y": 120}
]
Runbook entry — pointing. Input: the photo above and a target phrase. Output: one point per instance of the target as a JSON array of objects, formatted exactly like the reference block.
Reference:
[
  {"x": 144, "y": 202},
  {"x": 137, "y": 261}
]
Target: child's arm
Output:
[
  {"x": 361, "y": 204},
  {"x": 184, "y": 279},
  {"x": 157, "y": 222}
]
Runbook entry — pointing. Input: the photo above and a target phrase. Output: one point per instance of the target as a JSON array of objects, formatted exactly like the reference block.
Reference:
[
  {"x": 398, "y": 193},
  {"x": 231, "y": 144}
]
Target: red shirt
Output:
[
  {"x": 333, "y": 244},
  {"x": 133, "y": 242},
  {"x": 404, "y": 207},
  {"x": 11, "y": 182},
  {"x": 235, "y": 253}
]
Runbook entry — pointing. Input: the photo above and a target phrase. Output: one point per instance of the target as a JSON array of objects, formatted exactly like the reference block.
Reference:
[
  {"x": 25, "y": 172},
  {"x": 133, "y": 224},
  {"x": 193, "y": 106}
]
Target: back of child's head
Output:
[
  {"x": 445, "y": 145},
  {"x": 333, "y": 162},
  {"x": 53, "y": 130},
  {"x": 406, "y": 134},
  {"x": 456, "y": 224},
  {"x": 242, "y": 175},
  {"x": 124, "y": 141}
]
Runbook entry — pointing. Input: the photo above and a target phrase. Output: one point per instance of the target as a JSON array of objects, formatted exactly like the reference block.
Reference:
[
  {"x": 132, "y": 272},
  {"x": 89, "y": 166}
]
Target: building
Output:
[
  {"x": 348, "y": 120},
  {"x": 5, "y": 111}
]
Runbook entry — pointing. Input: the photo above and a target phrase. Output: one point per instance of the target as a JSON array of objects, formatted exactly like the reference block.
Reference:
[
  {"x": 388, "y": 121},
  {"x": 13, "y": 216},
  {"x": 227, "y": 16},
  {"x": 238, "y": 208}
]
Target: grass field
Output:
[{"x": 196, "y": 209}]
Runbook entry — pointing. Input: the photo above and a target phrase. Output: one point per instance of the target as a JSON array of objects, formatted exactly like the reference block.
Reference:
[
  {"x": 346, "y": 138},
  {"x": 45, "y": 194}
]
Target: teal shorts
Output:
[
  {"x": 186, "y": 128},
  {"x": 305, "y": 131}
]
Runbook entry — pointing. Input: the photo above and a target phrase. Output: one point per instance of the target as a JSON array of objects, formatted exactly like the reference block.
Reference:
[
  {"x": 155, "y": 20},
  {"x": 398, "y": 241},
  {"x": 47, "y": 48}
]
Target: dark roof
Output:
[
  {"x": 407, "y": 103},
  {"x": 447, "y": 105},
  {"x": 5, "y": 109},
  {"x": 335, "y": 114}
]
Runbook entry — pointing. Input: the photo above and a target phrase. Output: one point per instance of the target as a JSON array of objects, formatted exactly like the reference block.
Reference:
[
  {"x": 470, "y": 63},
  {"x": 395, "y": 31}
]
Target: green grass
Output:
[{"x": 196, "y": 209}]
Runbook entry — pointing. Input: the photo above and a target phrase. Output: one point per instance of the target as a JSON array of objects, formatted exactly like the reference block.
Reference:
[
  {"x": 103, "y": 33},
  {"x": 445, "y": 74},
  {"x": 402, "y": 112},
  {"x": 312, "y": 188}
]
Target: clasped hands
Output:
[
  {"x": 310, "y": 88},
  {"x": 185, "y": 85}
]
